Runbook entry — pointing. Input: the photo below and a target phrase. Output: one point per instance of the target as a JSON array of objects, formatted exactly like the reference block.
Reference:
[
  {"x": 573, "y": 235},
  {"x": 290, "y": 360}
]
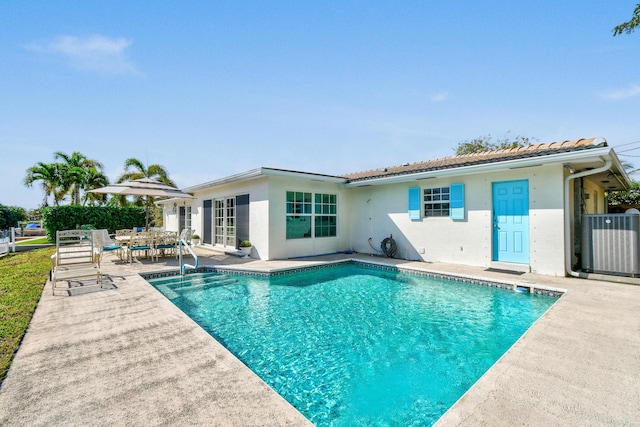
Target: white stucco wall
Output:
[
  {"x": 379, "y": 211},
  {"x": 279, "y": 246},
  {"x": 258, "y": 211},
  {"x": 367, "y": 215},
  {"x": 169, "y": 218}
]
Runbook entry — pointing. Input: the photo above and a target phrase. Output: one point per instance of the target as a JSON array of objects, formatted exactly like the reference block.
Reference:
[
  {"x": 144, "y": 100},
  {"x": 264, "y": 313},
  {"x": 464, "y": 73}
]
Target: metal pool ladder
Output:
[{"x": 183, "y": 266}]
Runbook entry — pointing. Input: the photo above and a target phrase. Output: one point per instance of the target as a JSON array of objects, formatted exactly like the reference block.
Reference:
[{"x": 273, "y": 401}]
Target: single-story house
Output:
[{"x": 517, "y": 208}]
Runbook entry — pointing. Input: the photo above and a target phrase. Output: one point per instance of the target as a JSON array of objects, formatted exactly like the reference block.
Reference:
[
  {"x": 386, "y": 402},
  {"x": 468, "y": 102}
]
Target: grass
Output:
[
  {"x": 40, "y": 241},
  {"x": 23, "y": 276}
]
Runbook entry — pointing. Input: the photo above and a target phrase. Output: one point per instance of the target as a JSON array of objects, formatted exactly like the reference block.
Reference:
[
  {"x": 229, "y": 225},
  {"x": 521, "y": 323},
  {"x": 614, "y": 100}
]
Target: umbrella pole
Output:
[{"x": 146, "y": 225}]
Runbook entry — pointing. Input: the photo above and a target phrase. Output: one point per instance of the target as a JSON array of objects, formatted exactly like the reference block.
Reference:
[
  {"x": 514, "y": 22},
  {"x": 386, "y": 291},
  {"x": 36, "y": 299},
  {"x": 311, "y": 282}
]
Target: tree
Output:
[
  {"x": 91, "y": 180},
  {"x": 135, "y": 169},
  {"x": 629, "y": 197},
  {"x": 76, "y": 172},
  {"x": 49, "y": 176},
  {"x": 629, "y": 26},
  {"x": 10, "y": 216},
  {"x": 484, "y": 143}
]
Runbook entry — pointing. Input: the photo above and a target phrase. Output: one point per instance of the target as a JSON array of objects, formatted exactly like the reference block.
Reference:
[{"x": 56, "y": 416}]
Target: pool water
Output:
[{"x": 351, "y": 345}]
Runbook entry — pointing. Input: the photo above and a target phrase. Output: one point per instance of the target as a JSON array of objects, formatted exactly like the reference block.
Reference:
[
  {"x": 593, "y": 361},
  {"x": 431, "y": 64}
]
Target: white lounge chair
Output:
[{"x": 75, "y": 257}]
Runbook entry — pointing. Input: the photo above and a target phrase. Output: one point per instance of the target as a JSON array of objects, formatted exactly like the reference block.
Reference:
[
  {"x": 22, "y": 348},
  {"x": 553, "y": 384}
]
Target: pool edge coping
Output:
[{"x": 523, "y": 285}]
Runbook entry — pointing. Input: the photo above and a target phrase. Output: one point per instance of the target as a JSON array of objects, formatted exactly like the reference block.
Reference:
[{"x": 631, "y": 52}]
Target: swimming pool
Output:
[{"x": 356, "y": 344}]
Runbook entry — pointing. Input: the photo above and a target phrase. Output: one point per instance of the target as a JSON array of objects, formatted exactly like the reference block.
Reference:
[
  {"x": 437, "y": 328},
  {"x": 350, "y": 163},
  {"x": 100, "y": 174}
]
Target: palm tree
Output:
[
  {"x": 135, "y": 169},
  {"x": 49, "y": 175},
  {"x": 155, "y": 171},
  {"x": 74, "y": 173},
  {"x": 92, "y": 179}
]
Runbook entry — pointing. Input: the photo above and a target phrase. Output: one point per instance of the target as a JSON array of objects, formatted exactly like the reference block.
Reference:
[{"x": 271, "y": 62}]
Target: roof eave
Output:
[
  {"x": 251, "y": 174},
  {"x": 623, "y": 173},
  {"x": 563, "y": 157},
  {"x": 261, "y": 172},
  {"x": 304, "y": 175}
]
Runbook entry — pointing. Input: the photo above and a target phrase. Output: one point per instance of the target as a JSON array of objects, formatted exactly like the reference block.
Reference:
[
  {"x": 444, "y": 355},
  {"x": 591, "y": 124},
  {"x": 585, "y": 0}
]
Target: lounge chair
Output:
[{"x": 75, "y": 257}]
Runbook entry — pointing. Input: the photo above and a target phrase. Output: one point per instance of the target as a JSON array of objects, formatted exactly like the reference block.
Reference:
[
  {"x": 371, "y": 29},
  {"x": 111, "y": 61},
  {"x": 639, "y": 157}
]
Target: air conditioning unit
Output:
[{"x": 610, "y": 244}]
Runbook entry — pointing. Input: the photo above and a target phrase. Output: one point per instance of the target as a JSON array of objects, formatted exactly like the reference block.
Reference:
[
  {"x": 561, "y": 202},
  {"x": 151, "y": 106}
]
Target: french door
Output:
[{"x": 224, "y": 222}]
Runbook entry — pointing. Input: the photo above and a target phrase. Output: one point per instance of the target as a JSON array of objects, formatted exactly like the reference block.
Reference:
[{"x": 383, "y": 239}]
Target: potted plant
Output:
[
  {"x": 245, "y": 247},
  {"x": 195, "y": 240}
]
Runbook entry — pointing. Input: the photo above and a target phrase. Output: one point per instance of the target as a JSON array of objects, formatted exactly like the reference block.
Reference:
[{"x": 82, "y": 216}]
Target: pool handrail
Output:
[{"x": 183, "y": 267}]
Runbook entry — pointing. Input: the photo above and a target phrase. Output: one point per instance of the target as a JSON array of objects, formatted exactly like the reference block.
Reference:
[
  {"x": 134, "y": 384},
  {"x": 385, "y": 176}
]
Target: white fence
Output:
[{"x": 7, "y": 241}]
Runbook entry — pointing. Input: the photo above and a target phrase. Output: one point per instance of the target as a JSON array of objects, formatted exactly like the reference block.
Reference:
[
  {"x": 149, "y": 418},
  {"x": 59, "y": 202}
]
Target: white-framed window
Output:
[
  {"x": 187, "y": 217},
  {"x": 299, "y": 212},
  {"x": 326, "y": 215},
  {"x": 311, "y": 215},
  {"x": 436, "y": 201}
]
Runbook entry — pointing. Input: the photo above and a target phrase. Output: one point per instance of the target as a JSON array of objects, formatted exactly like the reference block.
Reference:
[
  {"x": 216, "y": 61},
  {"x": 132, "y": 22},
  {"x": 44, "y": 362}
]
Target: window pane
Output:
[
  {"x": 298, "y": 227},
  {"x": 325, "y": 226},
  {"x": 436, "y": 201}
]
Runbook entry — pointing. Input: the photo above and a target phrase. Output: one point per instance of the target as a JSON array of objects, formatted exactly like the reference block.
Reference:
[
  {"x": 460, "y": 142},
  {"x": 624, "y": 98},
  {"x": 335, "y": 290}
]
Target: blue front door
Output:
[{"x": 511, "y": 221}]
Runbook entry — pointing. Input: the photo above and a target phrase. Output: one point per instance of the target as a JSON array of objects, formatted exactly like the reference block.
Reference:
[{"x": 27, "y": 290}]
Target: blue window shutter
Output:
[
  {"x": 456, "y": 203},
  {"x": 414, "y": 203}
]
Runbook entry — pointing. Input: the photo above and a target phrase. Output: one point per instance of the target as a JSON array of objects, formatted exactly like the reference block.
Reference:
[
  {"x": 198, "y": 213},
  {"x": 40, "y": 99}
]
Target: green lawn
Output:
[
  {"x": 22, "y": 278},
  {"x": 40, "y": 241}
]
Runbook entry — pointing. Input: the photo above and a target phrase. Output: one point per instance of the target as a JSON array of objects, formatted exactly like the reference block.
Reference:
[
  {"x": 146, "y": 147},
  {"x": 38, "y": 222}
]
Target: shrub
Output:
[
  {"x": 100, "y": 217},
  {"x": 10, "y": 216}
]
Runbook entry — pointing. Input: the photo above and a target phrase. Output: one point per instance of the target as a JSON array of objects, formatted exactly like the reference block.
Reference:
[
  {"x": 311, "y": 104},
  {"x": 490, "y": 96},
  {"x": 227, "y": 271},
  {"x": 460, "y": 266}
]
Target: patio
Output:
[{"x": 124, "y": 355}]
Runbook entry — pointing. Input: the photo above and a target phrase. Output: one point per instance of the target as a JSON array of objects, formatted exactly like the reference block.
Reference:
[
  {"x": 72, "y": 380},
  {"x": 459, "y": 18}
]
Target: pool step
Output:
[
  {"x": 202, "y": 283},
  {"x": 169, "y": 293},
  {"x": 174, "y": 286}
]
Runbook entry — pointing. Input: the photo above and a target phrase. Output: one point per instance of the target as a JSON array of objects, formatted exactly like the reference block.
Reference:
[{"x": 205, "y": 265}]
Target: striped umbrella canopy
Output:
[{"x": 143, "y": 187}]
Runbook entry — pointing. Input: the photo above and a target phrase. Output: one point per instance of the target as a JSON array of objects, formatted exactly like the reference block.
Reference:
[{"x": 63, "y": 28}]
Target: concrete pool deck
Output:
[{"x": 124, "y": 355}]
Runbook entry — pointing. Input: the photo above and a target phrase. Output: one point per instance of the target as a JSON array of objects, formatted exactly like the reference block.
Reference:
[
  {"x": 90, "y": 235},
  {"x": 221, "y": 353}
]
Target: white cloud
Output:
[
  {"x": 93, "y": 53},
  {"x": 439, "y": 97},
  {"x": 631, "y": 91}
]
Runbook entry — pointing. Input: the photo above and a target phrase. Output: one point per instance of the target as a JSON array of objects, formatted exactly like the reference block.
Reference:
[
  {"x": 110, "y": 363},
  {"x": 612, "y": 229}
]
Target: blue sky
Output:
[{"x": 209, "y": 89}]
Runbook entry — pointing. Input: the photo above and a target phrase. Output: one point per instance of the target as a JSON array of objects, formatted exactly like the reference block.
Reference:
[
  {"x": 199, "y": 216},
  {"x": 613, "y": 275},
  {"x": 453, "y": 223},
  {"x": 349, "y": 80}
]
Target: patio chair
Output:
[
  {"x": 126, "y": 232},
  {"x": 142, "y": 241},
  {"x": 166, "y": 242},
  {"x": 105, "y": 243},
  {"x": 75, "y": 257}
]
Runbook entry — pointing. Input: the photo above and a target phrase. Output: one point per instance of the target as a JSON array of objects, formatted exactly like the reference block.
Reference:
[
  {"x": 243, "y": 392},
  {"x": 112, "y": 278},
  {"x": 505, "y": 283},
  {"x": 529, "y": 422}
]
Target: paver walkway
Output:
[{"x": 127, "y": 356}]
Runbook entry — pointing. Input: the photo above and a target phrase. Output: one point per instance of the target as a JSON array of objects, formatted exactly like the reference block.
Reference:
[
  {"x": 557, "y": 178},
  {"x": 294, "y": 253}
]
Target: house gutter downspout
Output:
[{"x": 568, "y": 247}]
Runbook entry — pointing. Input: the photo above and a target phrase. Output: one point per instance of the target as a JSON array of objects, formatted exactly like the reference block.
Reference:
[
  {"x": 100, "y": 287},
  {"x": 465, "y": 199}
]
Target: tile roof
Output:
[{"x": 484, "y": 157}]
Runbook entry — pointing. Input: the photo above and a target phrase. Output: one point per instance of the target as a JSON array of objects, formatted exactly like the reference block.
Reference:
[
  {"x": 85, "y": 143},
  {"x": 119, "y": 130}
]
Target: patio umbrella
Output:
[{"x": 147, "y": 187}]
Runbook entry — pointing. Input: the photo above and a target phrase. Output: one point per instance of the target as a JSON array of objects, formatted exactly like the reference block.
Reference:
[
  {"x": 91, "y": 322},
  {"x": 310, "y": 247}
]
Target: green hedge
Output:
[{"x": 100, "y": 217}]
